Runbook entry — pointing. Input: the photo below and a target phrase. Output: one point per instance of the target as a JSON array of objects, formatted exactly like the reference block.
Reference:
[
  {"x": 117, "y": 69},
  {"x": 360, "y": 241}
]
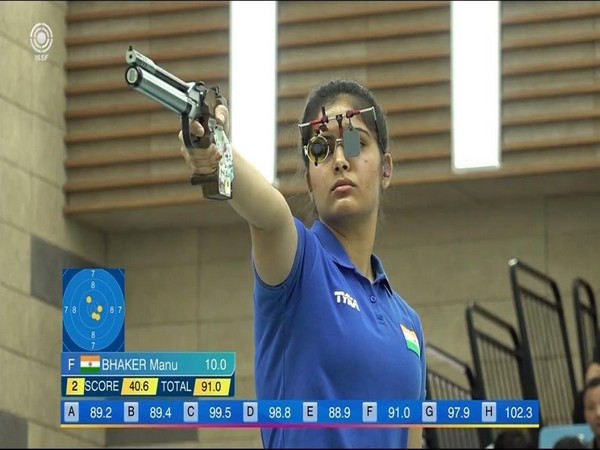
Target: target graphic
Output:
[
  {"x": 41, "y": 37},
  {"x": 93, "y": 310}
]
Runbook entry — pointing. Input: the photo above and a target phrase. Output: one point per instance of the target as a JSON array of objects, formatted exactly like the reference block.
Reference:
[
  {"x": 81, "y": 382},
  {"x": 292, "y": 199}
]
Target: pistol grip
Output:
[
  {"x": 210, "y": 185},
  {"x": 209, "y": 182}
]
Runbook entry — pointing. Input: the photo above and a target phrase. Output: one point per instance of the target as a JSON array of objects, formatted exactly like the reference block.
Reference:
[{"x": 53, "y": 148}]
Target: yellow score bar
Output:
[
  {"x": 128, "y": 386},
  {"x": 212, "y": 387},
  {"x": 203, "y": 387},
  {"x": 139, "y": 386}
]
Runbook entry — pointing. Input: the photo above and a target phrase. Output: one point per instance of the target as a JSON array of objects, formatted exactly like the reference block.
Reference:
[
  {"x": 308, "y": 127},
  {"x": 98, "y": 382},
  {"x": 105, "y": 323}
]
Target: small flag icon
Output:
[
  {"x": 412, "y": 342},
  {"x": 89, "y": 364}
]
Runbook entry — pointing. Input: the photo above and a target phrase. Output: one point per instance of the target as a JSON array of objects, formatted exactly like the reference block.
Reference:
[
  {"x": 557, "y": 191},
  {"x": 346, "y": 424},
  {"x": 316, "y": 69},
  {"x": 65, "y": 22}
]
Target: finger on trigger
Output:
[{"x": 196, "y": 129}]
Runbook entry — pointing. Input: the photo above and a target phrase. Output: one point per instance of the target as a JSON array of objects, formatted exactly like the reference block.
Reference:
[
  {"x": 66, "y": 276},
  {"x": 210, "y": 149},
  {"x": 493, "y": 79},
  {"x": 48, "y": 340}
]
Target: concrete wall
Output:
[{"x": 35, "y": 240}]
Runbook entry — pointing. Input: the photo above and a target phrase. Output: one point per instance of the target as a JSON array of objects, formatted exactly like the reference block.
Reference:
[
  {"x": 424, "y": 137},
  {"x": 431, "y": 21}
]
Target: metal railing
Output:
[
  {"x": 543, "y": 332},
  {"x": 501, "y": 370},
  {"x": 586, "y": 320},
  {"x": 456, "y": 383}
]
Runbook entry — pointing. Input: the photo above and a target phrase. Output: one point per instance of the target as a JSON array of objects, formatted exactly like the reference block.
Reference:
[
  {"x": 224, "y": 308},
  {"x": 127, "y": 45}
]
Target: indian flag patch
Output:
[
  {"x": 89, "y": 364},
  {"x": 412, "y": 343}
]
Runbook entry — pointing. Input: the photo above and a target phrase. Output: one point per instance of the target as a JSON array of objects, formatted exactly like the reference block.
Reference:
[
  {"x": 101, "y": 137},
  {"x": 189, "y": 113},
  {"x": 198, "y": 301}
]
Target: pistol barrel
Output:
[
  {"x": 135, "y": 58},
  {"x": 156, "y": 89}
]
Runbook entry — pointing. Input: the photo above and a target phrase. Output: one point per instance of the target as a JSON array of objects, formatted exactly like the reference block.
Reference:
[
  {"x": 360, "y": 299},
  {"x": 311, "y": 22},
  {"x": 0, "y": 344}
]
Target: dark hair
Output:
[
  {"x": 512, "y": 439},
  {"x": 360, "y": 97},
  {"x": 594, "y": 382},
  {"x": 570, "y": 442}
]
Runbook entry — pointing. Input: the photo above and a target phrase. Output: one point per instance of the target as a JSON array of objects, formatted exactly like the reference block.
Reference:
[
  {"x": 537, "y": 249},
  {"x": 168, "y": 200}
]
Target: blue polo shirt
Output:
[{"x": 328, "y": 333}]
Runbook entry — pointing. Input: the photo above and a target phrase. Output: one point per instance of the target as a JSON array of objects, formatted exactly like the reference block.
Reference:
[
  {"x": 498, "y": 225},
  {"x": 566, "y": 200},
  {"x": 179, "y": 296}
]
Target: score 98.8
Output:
[
  {"x": 458, "y": 412},
  {"x": 279, "y": 412}
]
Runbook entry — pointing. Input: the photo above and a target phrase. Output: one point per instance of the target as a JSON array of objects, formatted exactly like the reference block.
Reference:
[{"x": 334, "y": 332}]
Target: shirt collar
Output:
[
  {"x": 380, "y": 275},
  {"x": 339, "y": 255}
]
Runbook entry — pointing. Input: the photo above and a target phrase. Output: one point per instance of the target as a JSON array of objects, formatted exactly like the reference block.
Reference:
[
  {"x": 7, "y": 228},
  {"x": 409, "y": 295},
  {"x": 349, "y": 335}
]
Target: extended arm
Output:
[{"x": 274, "y": 236}]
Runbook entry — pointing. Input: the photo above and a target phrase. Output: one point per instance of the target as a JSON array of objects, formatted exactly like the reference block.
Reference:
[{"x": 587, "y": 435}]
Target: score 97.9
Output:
[{"x": 458, "y": 412}]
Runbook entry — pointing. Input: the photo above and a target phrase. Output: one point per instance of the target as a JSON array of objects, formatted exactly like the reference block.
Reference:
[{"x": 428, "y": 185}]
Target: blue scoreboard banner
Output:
[
  {"x": 297, "y": 413},
  {"x": 149, "y": 374}
]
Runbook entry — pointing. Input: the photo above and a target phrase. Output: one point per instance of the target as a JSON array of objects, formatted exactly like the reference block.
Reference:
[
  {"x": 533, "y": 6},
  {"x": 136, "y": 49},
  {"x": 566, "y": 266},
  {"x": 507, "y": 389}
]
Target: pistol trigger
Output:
[
  {"x": 188, "y": 138},
  {"x": 212, "y": 124}
]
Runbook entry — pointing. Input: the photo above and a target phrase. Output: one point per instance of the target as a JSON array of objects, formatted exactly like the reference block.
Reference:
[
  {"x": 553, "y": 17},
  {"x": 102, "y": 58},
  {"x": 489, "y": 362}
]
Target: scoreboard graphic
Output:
[
  {"x": 96, "y": 370},
  {"x": 93, "y": 310},
  {"x": 152, "y": 374},
  {"x": 294, "y": 413},
  {"x": 103, "y": 385}
]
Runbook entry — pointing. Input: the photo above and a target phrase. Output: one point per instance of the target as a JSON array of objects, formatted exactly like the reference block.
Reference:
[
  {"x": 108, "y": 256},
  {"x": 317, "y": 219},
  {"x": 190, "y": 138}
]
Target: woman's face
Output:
[
  {"x": 591, "y": 409},
  {"x": 349, "y": 187}
]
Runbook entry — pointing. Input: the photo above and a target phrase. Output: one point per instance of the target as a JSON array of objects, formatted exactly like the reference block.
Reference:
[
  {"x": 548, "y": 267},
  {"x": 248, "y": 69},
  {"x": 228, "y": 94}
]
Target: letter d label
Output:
[{"x": 250, "y": 411}]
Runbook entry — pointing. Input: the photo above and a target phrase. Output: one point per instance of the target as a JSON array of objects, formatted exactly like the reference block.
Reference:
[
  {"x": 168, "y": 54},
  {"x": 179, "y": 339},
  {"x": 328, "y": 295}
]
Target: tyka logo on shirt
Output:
[{"x": 346, "y": 299}]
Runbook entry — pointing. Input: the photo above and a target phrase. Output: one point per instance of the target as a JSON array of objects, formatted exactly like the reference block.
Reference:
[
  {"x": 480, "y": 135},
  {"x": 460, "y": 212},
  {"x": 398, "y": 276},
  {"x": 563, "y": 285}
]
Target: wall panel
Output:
[{"x": 400, "y": 50}]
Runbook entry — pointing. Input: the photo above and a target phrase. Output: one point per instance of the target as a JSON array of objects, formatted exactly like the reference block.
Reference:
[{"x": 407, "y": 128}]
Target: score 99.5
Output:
[{"x": 219, "y": 412}]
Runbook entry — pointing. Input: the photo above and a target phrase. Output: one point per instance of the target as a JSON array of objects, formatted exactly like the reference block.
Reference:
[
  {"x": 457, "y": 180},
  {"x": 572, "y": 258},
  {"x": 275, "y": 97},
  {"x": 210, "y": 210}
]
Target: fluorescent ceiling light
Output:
[
  {"x": 253, "y": 82},
  {"x": 476, "y": 91}
]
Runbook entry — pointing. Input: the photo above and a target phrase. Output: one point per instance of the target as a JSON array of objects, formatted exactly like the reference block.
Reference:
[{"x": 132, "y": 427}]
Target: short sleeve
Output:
[{"x": 272, "y": 301}]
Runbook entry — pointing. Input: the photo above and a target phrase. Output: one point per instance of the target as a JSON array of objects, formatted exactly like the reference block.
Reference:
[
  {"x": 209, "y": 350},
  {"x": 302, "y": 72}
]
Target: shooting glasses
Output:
[{"x": 320, "y": 146}]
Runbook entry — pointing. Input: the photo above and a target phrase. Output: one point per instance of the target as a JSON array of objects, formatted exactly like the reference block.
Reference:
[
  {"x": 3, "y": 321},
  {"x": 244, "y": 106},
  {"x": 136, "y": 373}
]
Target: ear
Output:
[{"x": 387, "y": 170}]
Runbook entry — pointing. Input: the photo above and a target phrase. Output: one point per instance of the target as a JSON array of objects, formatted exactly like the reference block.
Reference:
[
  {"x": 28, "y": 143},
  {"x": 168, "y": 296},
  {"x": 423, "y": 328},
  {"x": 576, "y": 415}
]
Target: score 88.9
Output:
[{"x": 339, "y": 413}]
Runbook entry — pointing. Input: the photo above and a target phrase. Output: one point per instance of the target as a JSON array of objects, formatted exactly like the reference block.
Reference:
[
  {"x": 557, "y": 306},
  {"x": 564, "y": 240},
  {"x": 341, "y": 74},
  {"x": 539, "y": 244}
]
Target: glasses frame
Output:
[
  {"x": 320, "y": 124},
  {"x": 319, "y": 137}
]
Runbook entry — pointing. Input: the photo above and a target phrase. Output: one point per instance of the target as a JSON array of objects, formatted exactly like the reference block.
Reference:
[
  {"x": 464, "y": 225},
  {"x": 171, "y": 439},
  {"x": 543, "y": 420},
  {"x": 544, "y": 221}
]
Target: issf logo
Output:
[{"x": 41, "y": 40}]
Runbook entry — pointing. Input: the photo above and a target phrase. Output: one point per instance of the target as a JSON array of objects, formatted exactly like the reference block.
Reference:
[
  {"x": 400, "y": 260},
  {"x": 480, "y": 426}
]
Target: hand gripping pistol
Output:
[{"x": 192, "y": 101}]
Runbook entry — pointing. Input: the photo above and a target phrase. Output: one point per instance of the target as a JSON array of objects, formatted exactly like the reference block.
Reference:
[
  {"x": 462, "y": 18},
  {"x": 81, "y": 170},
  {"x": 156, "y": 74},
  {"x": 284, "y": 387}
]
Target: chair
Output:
[
  {"x": 543, "y": 332},
  {"x": 498, "y": 361},
  {"x": 586, "y": 318},
  {"x": 455, "y": 382}
]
